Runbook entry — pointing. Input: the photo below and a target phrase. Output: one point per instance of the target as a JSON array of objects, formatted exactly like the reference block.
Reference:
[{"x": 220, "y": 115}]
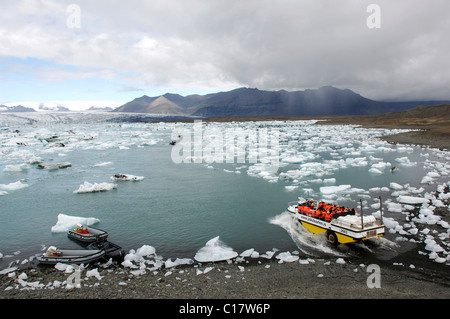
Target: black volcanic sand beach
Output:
[{"x": 252, "y": 279}]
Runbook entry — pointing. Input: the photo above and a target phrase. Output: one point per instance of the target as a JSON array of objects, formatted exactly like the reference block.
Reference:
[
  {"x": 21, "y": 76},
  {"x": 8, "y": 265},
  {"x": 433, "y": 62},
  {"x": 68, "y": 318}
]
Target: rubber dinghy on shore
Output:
[{"x": 53, "y": 256}]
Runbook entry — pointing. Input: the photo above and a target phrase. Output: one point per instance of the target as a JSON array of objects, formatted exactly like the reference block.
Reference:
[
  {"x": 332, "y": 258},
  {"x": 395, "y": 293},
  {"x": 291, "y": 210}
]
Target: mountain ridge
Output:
[{"x": 244, "y": 101}]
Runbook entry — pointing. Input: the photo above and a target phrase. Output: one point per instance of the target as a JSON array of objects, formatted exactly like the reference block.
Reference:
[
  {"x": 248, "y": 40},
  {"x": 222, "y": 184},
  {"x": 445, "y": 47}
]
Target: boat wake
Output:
[{"x": 307, "y": 242}]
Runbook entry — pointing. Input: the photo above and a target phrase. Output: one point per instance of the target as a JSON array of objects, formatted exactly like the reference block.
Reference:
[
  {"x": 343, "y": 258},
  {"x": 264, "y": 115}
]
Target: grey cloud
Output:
[{"x": 257, "y": 43}]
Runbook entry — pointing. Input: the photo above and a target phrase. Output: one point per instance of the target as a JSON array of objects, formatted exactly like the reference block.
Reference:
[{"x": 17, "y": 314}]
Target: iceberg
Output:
[
  {"x": 375, "y": 171},
  {"x": 16, "y": 168},
  {"x": 13, "y": 186},
  {"x": 65, "y": 222},
  {"x": 334, "y": 189},
  {"x": 92, "y": 188},
  {"x": 215, "y": 250},
  {"x": 395, "y": 186},
  {"x": 411, "y": 200}
]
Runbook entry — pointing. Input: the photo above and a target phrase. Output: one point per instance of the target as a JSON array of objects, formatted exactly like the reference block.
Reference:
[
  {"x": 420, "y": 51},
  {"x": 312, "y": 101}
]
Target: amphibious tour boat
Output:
[{"x": 342, "y": 225}]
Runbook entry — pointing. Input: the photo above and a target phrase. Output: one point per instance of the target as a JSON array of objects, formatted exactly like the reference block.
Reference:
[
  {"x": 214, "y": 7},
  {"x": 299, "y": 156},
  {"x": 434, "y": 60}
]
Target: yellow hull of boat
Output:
[{"x": 343, "y": 239}]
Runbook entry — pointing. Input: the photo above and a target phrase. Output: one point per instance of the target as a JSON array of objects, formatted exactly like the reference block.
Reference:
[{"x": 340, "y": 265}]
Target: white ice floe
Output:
[
  {"x": 19, "y": 168},
  {"x": 13, "y": 186},
  {"x": 250, "y": 253},
  {"x": 375, "y": 171},
  {"x": 142, "y": 259},
  {"x": 66, "y": 222},
  {"x": 411, "y": 200},
  {"x": 87, "y": 187},
  {"x": 178, "y": 262},
  {"x": 395, "y": 186},
  {"x": 94, "y": 273},
  {"x": 286, "y": 257},
  {"x": 334, "y": 189},
  {"x": 394, "y": 207},
  {"x": 101, "y": 164},
  {"x": 404, "y": 161},
  {"x": 215, "y": 250}
]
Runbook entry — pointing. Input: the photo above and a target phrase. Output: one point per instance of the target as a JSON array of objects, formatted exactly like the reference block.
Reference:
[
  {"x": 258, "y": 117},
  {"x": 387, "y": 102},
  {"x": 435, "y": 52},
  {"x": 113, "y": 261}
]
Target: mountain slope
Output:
[{"x": 326, "y": 100}]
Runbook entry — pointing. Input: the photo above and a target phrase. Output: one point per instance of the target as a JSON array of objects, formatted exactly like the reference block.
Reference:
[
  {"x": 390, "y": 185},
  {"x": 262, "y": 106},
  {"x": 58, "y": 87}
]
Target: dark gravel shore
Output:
[{"x": 252, "y": 279}]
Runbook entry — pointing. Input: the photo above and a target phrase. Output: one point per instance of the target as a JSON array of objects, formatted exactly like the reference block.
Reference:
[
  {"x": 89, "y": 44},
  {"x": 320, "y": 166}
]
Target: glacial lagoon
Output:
[{"x": 177, "y": 207}]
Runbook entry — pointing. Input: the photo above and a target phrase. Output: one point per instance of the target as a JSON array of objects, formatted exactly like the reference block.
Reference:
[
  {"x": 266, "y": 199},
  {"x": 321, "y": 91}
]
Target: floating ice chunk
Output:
[
  {"x": 329, "y": 181},
  {"x": 215, "y": 250},
  {"x": 334, "y": 189},
  {"x": 13, "y": 186},
  {"x": 381, "y": 165},
  {"x": 16, "y": 168},
  {"x": 92, "y": 188},
  {"x": 290, "y": 188},
  {"x": 357, "y": 162},
  {"x": 427, "y": 180},
  {"x": 395, "y": 186},
  {"x": 375, "y": 171},
  {"x": 392, "y": 224},
  {"x": 65, "y": 222},
  {"x": 102, "y": 164},
  {"x": 126, "y": 177},
  {"x": 394, "y": 207},
  {"x": 426, "y": 216},
  {"x": 302, "y": 157},
  {"x": 404, "y": 161},
  {"x": 411, "y": 200}
]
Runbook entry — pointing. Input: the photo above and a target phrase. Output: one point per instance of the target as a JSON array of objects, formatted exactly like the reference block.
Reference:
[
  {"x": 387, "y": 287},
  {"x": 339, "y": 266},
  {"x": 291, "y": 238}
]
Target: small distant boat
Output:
[
  {"x": 69, "y": 256},
  {"x": 53, "y": 166},
  {"x": 112, "y": 250},
  {"x": 87, "y": 234},
  {"x": 340, "y": 224}
]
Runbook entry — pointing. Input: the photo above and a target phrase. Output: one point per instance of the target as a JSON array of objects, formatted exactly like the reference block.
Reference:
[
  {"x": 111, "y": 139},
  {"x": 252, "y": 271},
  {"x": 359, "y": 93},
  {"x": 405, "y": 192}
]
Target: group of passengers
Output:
[{"x": 324, "y": 210}]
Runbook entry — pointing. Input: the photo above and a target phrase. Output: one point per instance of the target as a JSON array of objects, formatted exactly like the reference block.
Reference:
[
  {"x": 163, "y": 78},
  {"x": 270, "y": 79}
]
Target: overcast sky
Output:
[{"x": 109, "y": 52}]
